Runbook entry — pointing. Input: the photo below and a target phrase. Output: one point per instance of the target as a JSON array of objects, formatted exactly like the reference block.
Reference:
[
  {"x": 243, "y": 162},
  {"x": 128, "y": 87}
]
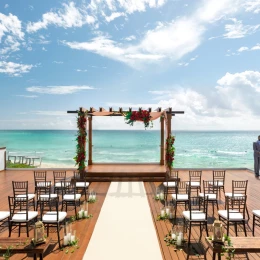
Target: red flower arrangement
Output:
[
  {"x": 142, "y": 115},
  {"x": 169, "y": 155},
  {"x": 81, "y": 141}
]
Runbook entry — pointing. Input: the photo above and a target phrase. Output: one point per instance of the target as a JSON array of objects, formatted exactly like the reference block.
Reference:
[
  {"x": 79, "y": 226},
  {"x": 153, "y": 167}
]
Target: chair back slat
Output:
[
  {"x": 182, "y": 187},
  {"x": 20, "y": 188},
  {"x": 195, "y": 176},
  {"x": 40, "y": 176},
  {"x": 208, "y": 188},
  {"x": 59, "y": 176},
  {"x": 239, "y": 187},
  {"x": 236, "y": 203},
  {"x": 219, "y": 176}
]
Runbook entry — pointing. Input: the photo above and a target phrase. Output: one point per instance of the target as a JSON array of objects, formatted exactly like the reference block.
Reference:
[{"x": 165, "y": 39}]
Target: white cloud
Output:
[
  {"x": 11, "y": 32},
  {"x": 113, "y": 16},
  {"x": 6, "y": 6},
  {"x": 256, "y": 47},
  {"x": 242, "y": 49},
  {"x": 27, "y": 96},
  {"x": 124, "y": 5},
  {"x": 171, "y": 40},
  {"x": 43, "y": 48},
  {"x": 238, "y": 30},
  {"x": 58, "y": 90},
  {"x": 58, "y": 62},
  {"x": 67, "y": 17},
  {"x": 252, "y": 6},
  {"x": 130, "y": 38},
  {"x": 240, "y": 92},
  {"x": 79, "y": 70},
  {"x": 14, "y": 69}
]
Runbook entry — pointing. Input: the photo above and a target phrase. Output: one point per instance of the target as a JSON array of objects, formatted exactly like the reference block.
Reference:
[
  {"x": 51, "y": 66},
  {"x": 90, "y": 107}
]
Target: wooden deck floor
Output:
[{"x": 84, "y": 228}]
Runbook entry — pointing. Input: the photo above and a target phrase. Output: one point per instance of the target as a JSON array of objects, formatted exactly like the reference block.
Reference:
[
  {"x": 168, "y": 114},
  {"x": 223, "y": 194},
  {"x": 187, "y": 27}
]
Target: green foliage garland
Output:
[
  {"x": 169, "y": 156},
  {"x": 81, "y": 141}
]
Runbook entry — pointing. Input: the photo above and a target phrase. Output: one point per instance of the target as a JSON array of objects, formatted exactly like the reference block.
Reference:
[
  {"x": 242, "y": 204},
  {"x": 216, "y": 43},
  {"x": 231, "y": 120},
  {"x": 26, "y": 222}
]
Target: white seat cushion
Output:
[
  {"x": 82, "y": 184},
  {"x": 193, "y": 184},
  {"x": 180, "y": 197},
  {"x": 23, "y": 197},
  {"x": 230, "y": 194},
  {"x": 256, "y": 212},
  {"x": 71, "y": 197},
  {"x": 58, "y": 184},
  {"x": 47, "y": 196},
  {"x": 42, "y": 184},
  {"x": 21, "y": 217},
  {"x": 51, "y": 216},
  {"x": 234, "y": 215},
  {"x": 195, "y": 215},
  {"x": 4, "y": 214},
  {"x": 211, "y": 196},
  {"x": 220, "y": 183},
  {"x": 170, "y": 184}
]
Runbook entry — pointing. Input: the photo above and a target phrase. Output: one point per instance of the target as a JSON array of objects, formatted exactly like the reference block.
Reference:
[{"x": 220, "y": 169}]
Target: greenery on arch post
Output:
[
  {"x": 81, "y": 141},
  {"x": 169, "y": 155}
]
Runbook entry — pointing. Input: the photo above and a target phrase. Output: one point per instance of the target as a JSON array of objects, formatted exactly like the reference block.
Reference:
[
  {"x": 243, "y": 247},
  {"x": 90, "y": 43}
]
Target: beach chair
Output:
[
  {"x": 170, "y": 183},
  {"x": 235, "y": 212},
  {"x": 52, "y": 218},
  {"x": 197, "y": 214},
  {"x": 20, "y": 214}
]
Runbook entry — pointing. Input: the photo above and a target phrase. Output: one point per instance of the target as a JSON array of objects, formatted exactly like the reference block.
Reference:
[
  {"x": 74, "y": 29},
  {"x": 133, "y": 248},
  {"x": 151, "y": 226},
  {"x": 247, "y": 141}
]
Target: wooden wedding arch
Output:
[{"x": 164, "y": 115}]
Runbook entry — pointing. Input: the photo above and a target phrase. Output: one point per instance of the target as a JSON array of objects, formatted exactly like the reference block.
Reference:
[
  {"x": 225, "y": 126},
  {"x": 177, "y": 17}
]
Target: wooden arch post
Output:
[{"x": 90, "y": 141}]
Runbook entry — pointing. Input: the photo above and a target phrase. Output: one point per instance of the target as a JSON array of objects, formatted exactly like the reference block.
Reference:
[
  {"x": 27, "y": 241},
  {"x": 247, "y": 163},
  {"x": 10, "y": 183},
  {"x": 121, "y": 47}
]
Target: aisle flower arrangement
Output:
[
  {"x": 169, "y": 155},
  {"x": 143, "y": 116},
  {"x": 81, "y": 141}
]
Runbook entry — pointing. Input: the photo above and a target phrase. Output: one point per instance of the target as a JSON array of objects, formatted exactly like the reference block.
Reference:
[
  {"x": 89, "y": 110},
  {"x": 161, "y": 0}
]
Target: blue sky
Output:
[{"x": 201, "y": 57}]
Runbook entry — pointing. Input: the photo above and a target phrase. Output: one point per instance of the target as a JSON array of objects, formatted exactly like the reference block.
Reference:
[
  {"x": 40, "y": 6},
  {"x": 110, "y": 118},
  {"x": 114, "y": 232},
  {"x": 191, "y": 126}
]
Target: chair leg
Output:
[
  {"x": 206, "y": 227},
  {"x": 200, "y": 232},
  {"x": 58, "y": 233},
  {"x": 253, "y": 225},
  {"x": 244, "y": 225},
  {"x": 227, "y": 228},
  {"x": 47, "y": 230},
  {"x": 10, "y": 228},
  {"x": 19, "y": 230},
  {"x": 189, "y": 232},
  {"x": 27, "y": 229},
  {"x": 247, "y": 213},
  {"x": 236, "y": 228}
]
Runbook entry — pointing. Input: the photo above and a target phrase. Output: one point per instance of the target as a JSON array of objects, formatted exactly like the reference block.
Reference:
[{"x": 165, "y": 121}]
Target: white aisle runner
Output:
[{"x": 125, "y": 228}]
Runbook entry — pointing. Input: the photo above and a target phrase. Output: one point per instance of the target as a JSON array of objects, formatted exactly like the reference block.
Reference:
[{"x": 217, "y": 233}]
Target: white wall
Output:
[{"x": 2, "y": 158}]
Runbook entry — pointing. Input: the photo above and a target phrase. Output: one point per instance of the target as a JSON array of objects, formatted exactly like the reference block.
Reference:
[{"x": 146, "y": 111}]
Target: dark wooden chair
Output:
[
  {"x": 256, "y": 220},
  {"x": 81, "y": 184},
  {"x": 71, "y": 198},
  {"x": 235, "y": 212},
  {"x": 20, "y": 214},
  {"x": 53, "y": 217},
  {"x": 60, "y": 182},
  {"x": 239, "y": 188},
  {"x": 170, "y": 183},
  {"x": 197, "y": 214},
  {"x": 195, "y": 181},
  {"x": 39, "y": 180},
  {"x": 210, "y": 194},
  {"x": 20, "y": 192},
  {"x": 219, "y": 180}
]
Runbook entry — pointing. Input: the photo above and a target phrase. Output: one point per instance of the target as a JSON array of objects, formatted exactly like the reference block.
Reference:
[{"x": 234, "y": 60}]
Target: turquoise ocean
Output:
[{"x": 196, "y": 149}]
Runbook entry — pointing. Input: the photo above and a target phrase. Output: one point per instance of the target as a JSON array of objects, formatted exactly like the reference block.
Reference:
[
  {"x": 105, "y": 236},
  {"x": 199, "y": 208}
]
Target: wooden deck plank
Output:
[{"x": 85, "y": 227}]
